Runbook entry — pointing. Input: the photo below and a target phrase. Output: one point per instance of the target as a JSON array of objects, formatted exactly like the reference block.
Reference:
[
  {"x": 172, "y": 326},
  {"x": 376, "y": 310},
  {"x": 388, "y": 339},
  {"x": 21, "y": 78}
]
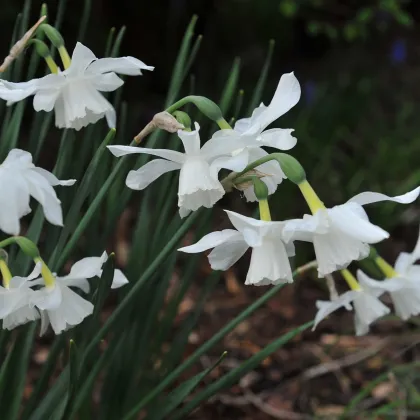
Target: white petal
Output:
[
  {"x": 19, "y": 317},
  {"x": 119, "y": 279},
  {"x": 212, "y": 240},
  {"x": 86, "y": 268},
  {"x": 278, "y": 138},
  {"x": 81, "y": 58},
  {"x": 347, "y": 220},
  {"x": 171, "y": 155},
  {"x": 304, "y": 229},
  {"x": 378, "y": 288},
  {"x": 197, "y": 187},
  {"x": 14, "y": 92},
  {"x": 335, "y": 250},
  {"x": 183, "y": 212},
  {"x": 367, "y": 309},
  {"x": 14, "y": 202},
  {"x": 140, "y": 179},
  {"x": 326, "y": 308},
  {"x": 18, "y": 158},
  {"x": 407, "y": 300},
  {"x": 222, "y": 143},
  {"x": 44, "y": 100},
  {"x": 123, "y": 65},
  {"x": 244, "y": 124},
  {"x": 226, "y": 254},
  {"x": 269, "y": 264},
  {"x": 48, "y": 297},
  {"x": 44, "y": 193},
  {"x": 107, "y": 82},
  {"x": 403, "y": 262},
  {"x": 287, "y": 95},
  {"x": 372, "y": 197},
  {"x": 415, "y": 255},
  {"x": 235, "y": 163},
  {"x": 191, "y": 140},
  {"x": 72, "y": 311},
  {"x": 111, "y": 118},
  {"x": 52, "y": 179}
]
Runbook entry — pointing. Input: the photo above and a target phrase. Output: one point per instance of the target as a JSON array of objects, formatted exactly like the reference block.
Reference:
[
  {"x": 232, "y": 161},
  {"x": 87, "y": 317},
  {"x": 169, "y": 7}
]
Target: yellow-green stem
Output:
[
  {"x": 48, "y": 277},
  {"x": 223, "y": 124},
  {"x": 264, "y": 210},
  {"x": 385, "y": 267},
  {"x": 311, "y": 197},
  {"x": 51, "y": 64},
  {"x": 350, "y": 279},
  {"x": 5, "y": 272},
  {"x": 65, "y": 58}
]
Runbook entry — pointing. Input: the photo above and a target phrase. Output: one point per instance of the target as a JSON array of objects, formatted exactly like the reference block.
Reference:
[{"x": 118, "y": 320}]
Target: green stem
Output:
[
  {"x": 8, "y": 241},
  {"x": 208, "y": 345}
]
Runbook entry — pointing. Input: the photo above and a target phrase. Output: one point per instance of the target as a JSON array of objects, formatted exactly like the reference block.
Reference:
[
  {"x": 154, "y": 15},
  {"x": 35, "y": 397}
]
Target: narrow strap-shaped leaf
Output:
[
  {"x": 10, "y": 137},
  {"x": 193, "y": 55},
  {"x": 104, "y": 286},
  {"x": 206, "y": 347},
  {"x": 46, "y": 372},
  {"x": 72, "y": 216},
  {"x": 18, "y": 368},
  {"x": 230, "y": 87},
  {"x": 85, "y": 20},
  {"x": 178, "y": 395},
  {"x": 118, "y": 40},
  {"x": 257, "y": 94},
  {"x": 178, "y": 72},
  {"x": 238, "y": 104},
  {"x": 233, "y": 376},
  {"x": 55, "y": 400},
  {"x": 73, "y": 379},
  {"x": 109, "y": 42}
]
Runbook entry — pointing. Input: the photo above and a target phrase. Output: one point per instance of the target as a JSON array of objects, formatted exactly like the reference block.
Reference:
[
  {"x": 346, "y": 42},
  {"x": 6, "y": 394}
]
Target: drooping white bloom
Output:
[
  {"x": 253, "y": 132},
  {"x": 199, "y": 167},
  {"x": 367, "y": 307},
  {"x": 269, "y": 258},
  {"x": 74, "y": 94},
  {"x": 19, "y": 180},
  {"x": 63, "y": 308},
  {"x": 342, "y": 234},
  {"x": 15, "y": 308},
  {"x": 404, "y": 288}
]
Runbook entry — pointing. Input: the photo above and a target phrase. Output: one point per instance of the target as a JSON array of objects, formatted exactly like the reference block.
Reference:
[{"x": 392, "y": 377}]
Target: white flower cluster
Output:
[{"x": 340, "y": 234}]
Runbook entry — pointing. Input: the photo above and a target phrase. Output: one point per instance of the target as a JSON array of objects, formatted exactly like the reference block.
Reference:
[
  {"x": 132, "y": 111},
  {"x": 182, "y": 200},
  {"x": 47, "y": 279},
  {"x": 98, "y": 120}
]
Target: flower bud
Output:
[
  {"x": 291, "y": 168},
  {"x": 163, "y": 120},
  {"x": 245, "y": 181},
  {"x": 41, "y": 48},
  {"x": 260, "y": 189},
  {"x": 53, "y": 35},
  {"x": 183, "y": 118},
  {"x": 27, "y": 246}
]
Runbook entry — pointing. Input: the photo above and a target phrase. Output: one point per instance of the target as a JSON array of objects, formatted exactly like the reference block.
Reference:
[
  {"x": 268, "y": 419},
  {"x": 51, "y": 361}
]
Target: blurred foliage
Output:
[{"x": 350, "y": 20}]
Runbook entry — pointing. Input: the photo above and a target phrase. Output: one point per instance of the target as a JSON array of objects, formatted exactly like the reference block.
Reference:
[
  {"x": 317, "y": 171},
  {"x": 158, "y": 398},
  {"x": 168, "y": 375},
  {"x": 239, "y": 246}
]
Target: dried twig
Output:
[
  {"x": 349, "y": 360},
  {"x": 20, "y": 45}
]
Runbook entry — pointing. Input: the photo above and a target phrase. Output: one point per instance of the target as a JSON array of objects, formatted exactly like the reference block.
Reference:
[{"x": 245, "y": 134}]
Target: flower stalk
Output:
[
  {"x": 4, "y": 269},
  {"x": 48, "y": 277},
  {"x": 351, "y": 280},
  {"x": 311, "y": 197},
  {"x": 385, "y": 267}
]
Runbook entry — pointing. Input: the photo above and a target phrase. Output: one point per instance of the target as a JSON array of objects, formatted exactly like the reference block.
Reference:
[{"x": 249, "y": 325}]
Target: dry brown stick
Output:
[
  {"x": 16, "y": 50},
  {"x": 351, "y": 359},
  {"x": 276, "y": 413}
]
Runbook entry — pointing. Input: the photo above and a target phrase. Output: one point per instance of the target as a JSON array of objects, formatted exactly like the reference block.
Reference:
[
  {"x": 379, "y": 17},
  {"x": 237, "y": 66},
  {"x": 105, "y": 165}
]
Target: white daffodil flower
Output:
[
  {"x": 404, "y": 288},
  {"x": 253, "y": 132},
  {"x": 269, "y": 259},
  {"x": 74, "y": 94},
  {"x": 62, "y": 307},
  {"x": 199, "y": 167},
  {"x": 367, "y": 307},
  {"x": 19, "y": 180},
  {"x": 342, "y": 234},
  {"x": 15, "y": 308}
]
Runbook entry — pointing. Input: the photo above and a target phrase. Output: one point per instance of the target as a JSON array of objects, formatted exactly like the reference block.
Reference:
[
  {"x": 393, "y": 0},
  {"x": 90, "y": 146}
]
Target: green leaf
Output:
[
  {"x": 230, "y": 87},
  {"x": 178, "y": 395},
  {"x": 233, "y": 376},
  {"x": 257, "y": 94}
]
